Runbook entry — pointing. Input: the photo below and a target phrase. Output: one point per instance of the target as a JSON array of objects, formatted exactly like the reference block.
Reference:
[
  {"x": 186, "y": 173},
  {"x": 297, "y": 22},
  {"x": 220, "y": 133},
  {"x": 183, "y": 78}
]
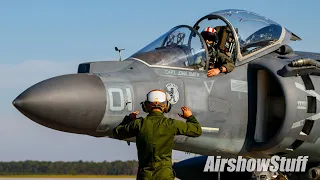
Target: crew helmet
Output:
[
  {"x": 210, "y": 34},
  {"x": 156, "y": 99}
]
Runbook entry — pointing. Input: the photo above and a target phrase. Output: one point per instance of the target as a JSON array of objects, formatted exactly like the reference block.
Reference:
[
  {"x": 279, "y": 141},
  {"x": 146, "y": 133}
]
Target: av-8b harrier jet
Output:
[{"x": 268, "y": 105}]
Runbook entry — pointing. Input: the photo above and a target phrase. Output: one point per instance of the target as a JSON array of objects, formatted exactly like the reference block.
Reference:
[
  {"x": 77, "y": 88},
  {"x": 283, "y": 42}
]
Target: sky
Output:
[{"x": 42, "y": 39}]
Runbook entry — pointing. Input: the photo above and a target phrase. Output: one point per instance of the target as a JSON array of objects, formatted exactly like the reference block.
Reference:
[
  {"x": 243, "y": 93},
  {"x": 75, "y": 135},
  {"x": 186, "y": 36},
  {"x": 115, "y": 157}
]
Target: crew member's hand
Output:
[
  {"x": 213, "y": 72},
  {"x": 186, "y": 112},
  {"x": 133, "y": 115}
]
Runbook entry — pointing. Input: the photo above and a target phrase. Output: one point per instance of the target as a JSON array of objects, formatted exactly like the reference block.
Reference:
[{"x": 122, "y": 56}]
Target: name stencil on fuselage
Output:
[{"x": 181, "y": 73}]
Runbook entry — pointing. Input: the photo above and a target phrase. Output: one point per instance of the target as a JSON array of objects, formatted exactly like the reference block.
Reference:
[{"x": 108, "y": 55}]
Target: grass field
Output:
[{"x": 67, "y": 176}]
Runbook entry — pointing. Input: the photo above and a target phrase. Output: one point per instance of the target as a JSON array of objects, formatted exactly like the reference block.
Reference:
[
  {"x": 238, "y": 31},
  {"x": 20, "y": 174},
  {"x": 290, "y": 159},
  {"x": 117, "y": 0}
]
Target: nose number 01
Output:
[{"x": 120, "y": 101}]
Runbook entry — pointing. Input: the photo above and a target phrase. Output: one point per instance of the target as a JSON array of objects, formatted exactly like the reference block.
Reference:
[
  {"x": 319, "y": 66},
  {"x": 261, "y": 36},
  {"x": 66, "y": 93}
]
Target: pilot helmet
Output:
[
  {"x": 156, "y": 99},
  {"x": 210, "y": 34}
]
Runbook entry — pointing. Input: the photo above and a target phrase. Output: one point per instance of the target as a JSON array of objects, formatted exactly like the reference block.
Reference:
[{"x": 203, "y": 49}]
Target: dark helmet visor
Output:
[{"x": 210, "y": 36}]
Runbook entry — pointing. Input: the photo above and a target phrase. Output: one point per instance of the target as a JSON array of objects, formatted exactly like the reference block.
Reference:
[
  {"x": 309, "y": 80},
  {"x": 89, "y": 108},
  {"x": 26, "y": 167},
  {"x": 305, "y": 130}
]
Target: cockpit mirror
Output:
[{"x": 212, "y": 18}]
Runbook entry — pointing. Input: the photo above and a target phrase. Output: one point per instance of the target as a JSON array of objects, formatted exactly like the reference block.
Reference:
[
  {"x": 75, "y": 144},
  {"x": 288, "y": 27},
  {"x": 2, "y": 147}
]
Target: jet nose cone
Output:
[
  {"x": 22, "y": 101},
  {"x": 74, "y": 102},
  {"x": 17, "y": 102}
]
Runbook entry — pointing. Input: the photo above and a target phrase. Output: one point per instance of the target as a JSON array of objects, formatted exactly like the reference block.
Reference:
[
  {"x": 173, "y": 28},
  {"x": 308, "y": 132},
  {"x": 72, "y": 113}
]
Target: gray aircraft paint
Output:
[{"x": 234, "y": 109}]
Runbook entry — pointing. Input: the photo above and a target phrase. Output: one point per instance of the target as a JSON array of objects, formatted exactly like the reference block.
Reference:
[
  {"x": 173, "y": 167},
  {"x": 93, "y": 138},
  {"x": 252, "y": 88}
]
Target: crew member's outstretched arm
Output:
[
  {"x": 127, "y": 128},
  {"x": 191, "y": 127},
  {"x": 227, "y": 62}
]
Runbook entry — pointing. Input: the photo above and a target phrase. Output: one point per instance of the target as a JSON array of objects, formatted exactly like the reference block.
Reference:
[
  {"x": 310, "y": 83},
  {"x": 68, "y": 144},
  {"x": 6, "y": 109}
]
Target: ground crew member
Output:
[
  {"x": 219, "y": 62},
  {"x": 155, "y": 135}
]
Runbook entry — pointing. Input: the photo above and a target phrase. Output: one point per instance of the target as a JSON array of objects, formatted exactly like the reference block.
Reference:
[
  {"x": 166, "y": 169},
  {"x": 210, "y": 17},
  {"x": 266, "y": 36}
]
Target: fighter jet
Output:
[{"x": 268, "y": 105}]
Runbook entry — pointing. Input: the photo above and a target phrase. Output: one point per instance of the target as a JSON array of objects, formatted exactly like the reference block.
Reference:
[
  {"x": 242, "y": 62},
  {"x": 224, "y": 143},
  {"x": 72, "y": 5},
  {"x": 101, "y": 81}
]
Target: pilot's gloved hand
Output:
[{"x": 213, "y": 72}]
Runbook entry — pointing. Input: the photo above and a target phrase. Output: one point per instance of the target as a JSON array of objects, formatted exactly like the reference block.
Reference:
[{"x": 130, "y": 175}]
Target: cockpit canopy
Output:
[
  {"x": 243, "y": 35},
  {"x": 180, "y": 47}
]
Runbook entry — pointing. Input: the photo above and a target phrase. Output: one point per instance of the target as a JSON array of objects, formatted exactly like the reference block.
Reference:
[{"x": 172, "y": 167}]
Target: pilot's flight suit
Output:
[
  {"x": 154, "y": 140},
  {"x": 220, "y": 59}
]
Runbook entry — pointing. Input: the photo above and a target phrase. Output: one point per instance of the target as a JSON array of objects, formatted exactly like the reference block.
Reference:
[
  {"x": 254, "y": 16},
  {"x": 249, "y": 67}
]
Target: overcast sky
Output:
[{"x": 55, "y": 36}]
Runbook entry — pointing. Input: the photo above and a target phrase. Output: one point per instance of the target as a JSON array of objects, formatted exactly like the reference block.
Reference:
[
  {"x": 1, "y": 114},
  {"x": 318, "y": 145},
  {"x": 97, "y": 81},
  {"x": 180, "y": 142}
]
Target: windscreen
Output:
[{"x": 180, "y": 47}]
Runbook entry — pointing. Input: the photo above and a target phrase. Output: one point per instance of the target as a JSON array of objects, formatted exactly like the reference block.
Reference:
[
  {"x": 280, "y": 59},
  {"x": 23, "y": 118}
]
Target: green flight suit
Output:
[
  {"x": 154, "y": 140},
  {"x": 220, "y": 59}
]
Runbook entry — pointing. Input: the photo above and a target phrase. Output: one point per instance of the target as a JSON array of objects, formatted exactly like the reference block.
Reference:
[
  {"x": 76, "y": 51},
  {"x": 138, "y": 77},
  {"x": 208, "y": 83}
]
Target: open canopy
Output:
[
  {"x": 243, "y": 35},
  {"x": 253, "y": 34}
]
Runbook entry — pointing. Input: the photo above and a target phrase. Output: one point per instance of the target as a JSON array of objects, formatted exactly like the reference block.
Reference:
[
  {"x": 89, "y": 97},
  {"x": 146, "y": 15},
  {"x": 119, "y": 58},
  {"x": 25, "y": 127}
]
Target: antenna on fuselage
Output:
[{"x": 119, "y": 50}]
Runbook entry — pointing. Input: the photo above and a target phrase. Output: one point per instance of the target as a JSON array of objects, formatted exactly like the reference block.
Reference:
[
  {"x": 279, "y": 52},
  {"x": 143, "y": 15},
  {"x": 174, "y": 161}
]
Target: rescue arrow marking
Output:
[
  {"x": 314, "y": 117},
  {"x": 206, "y": 84}
]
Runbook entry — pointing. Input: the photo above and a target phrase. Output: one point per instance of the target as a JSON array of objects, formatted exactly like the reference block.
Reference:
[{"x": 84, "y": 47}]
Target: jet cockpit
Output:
[
  {"x": 243, "y": 36},
  {"x": 181, "y": 47}
]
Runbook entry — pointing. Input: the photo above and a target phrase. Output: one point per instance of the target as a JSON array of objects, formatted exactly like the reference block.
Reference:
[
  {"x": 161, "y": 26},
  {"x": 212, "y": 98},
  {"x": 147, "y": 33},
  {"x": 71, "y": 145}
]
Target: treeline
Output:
[{"x": 69, "y": 168}]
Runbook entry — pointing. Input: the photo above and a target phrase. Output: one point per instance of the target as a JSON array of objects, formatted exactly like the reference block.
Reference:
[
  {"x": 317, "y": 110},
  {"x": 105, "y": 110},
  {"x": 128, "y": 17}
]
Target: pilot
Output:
[
  {"x": 219, "y": 61},
  {"x": 155, "y": 135}
]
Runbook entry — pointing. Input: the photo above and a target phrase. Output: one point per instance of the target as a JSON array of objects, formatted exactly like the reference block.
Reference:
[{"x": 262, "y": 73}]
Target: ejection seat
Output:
[{"x": 226, "y": 40}]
